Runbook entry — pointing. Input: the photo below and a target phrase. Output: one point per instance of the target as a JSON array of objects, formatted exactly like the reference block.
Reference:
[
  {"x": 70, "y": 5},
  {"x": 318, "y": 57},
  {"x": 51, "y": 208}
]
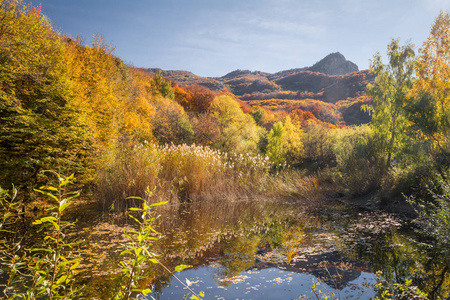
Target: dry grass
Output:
[
  {"x": 294, "y": 185},
  {"x": 179, "y": 174}
]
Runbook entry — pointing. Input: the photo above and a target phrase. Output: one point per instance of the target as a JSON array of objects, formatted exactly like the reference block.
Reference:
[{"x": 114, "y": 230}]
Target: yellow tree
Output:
[
  {"x": 39, "y": 128},
  {"x": 238, "y": 130},
  {"x": 429, "y": 100},
  {"x": 292, "y": 141},
  {"x": 285, "y": 142}
]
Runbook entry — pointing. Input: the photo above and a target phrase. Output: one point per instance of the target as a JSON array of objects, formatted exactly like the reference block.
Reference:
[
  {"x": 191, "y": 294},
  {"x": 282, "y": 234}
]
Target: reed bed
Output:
[{"x": 179, "y": 173}]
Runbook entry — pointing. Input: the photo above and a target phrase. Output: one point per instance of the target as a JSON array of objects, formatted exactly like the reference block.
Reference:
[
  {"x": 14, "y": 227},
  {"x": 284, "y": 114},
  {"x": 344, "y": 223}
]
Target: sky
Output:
[{"x": 214, "y": 37}]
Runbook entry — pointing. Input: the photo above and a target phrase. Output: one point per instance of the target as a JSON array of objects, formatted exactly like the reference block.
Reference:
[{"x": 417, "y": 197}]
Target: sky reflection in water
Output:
[{"x": 271, "y": 283}]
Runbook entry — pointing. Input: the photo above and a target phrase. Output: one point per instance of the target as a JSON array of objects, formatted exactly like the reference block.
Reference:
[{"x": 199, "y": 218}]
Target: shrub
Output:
[{"x": 359, "y": 165}]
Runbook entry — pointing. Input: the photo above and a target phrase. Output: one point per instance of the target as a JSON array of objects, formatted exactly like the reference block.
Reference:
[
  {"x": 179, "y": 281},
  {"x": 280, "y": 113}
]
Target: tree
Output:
[
  {"x": 284, "y": 142},
  {"x": 275, "y": 150},
  {"x": 429, "y": 100},
  {"x": 238, "y": 131},
  {"x": 161, "y": 86},
  {"x": 39, "y": 126},
  {"x": 170, "y": 123},
  {"x": 389, "y": 92},
  {"x": 292, "y": 141}
]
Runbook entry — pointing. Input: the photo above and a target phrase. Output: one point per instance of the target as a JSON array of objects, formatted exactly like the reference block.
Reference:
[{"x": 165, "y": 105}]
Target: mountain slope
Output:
[{"x": 330, "y": 80}]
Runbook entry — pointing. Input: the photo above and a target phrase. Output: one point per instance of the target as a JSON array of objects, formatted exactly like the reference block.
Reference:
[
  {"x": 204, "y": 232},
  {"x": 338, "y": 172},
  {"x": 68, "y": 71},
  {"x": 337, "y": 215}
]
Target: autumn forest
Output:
[{"x": 84, "y": 137}]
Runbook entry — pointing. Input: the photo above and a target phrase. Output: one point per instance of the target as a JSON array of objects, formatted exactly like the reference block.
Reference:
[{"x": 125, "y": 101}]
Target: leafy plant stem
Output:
[{"x": 171, "y": 273}]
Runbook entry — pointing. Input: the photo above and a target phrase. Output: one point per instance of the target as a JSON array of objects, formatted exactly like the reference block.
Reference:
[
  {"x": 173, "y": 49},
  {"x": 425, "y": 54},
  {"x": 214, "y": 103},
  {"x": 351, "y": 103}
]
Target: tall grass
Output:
[
  {"x": 295, "y": 185},
  {"x": 179, "y": 173}
]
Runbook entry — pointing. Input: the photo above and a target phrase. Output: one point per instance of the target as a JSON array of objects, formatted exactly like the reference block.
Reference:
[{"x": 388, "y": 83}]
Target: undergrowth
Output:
[{"x": 179, "y": 173}]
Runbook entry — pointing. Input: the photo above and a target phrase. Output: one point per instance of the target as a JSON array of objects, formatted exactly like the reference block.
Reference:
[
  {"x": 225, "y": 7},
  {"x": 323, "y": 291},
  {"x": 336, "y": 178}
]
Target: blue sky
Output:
[{"x": 214, "y": 37}]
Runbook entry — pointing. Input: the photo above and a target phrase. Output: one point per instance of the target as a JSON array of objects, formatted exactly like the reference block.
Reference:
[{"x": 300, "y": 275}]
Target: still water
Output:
[{"x": 267, "y": 250}]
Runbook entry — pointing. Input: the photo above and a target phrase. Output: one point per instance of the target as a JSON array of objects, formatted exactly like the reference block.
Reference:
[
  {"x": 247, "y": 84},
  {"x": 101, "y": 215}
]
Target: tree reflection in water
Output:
[{"x": 238, "y": 237}]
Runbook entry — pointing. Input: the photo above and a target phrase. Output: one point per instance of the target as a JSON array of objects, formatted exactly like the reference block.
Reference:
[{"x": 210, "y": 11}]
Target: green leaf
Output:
[
  {"x": 126, "y": 251},
  {"x": 154, "y": 261},
  {"x": 146, "y": 292},
  {"x": 72, "y": 267},
  {"x": 138, "y": 251},
  {"x": 139, "y": 222},
  {"x": 135, "y": 209},
  {"x": 61, "y": 279},
  {"x": 159, "y": 203},
  {"x": 63, "y": 205},
  {"x": 181, "y": 267},
  {"x": 72, "y": 244},
  {"x": 40, "y": 280},
  {"x": 47, "y": 194},
  {"x": 135, "y": 197},
  {"x": 44, "y": 220},
  {"x": 76, "y": 195},
  {"x": 51, "y": 208},
  {"x": 40, "y": 249},
  {"x": 50, "y": 188}
]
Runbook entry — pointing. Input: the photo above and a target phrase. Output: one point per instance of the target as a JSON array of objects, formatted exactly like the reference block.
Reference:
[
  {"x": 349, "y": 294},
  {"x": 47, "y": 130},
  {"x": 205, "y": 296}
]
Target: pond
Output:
[
  {"x": 257, "y": 249},
  {"x": 273, "y": 250}
]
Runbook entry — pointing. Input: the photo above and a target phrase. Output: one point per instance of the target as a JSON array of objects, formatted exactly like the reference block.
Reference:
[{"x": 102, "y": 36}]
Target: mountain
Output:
[
  {"x": 334, "y": 64},
  {"x": 333, "y": 80}
]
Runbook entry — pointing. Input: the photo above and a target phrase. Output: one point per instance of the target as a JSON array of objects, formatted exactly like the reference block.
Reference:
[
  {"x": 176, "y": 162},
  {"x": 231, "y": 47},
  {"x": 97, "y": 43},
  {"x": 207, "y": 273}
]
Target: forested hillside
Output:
[{"x": 332, "y": 80}]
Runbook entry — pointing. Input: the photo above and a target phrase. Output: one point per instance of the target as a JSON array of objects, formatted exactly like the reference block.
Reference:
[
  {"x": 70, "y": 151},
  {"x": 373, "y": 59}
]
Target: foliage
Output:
[
  {"x": 317, "y": 145},
  {"x": 293, "y": 135},
  {"x": 391, "y": 291},
  {"x": 39, "y": 126},
  {"x": 11, "y": 263},
  {"x": 53, "y": 265},
  {"x": 434, "y": 217},
  {"x": 137, "y": 251},
  {"x": 285, "y": 142},
  {"x": 49, "y": 272},
  {"x": 194, "y": 98},
  {"x": 359, "y": 165},
  {"x": 170, "y": 123},
  {"x": 325, "y": 112},
  {"x": 239, "y": 132},
  {"x": 206, "y": 129},
  {"x": 429, "y": 102},
  {"x": 162, "y": 87},
  {"x": 392, "y": 84},
  {"x": 275, "y": 149}
]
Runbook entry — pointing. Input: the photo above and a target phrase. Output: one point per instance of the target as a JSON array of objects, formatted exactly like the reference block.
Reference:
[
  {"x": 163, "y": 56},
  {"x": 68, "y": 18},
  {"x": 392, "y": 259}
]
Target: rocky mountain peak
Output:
[{"x": 334, "y": 64}]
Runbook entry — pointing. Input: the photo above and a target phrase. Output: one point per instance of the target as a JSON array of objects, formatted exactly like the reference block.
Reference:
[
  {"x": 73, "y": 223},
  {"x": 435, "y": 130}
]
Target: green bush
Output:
[{"x": 359, "y": 164}]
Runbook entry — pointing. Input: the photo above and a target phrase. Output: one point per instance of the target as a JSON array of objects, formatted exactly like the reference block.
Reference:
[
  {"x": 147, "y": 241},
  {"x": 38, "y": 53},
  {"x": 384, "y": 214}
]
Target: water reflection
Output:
[
  {"x": 258, "y": 249},
  {"x": 271, "y": 283},
  {"x": 234, "y": 243}
]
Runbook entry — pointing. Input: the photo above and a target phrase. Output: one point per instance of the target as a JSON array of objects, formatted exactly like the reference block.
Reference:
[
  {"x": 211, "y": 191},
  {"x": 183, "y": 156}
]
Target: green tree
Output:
[
  {"x": 161, "y": 86},
  {"x": 275, "y": 149},
  {"x": 389, "y": 92},
  {"x": 284, "y": 142}
]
